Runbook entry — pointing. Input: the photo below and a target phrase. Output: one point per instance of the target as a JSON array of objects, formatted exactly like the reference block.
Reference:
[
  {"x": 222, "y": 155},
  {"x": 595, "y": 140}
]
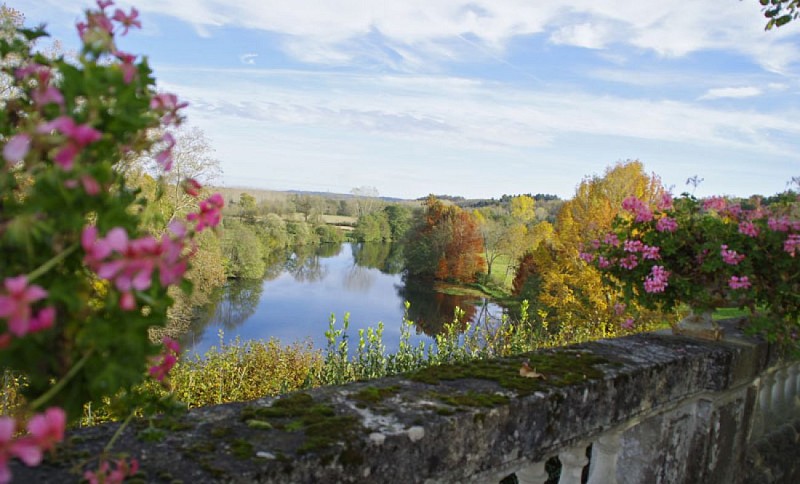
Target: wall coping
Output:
[{"x": 453, "y": 423}]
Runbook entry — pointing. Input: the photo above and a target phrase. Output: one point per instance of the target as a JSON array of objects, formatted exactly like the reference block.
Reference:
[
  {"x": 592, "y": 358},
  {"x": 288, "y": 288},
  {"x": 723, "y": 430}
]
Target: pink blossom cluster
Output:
[
  {"x": 656, "y": 281},
  {"x": 730, "y": 256},
  {"x": 44, "y": 92},
  {"x": 210, "y": 212},
  {"x": 15, "y": 307},
  {"x": 106, "y": 475},
  {"x": 783, "y": 224},
  {"x": 587, "y": 257},
  {"x": 97, "y": 22},
  {"x": 648, "y": 252},
  {"x": 736, "y": 282},
  {"x": 792, "y": 244},
  {"x": 627, "y": 324},
  {"x": 130, "y": 263},
  {"x": 638, "y": 208},
  {"x": 666, "y": 224},
  {"x": 45, "y": 430},
  {"x": 666, "y": 202},
  {"x": 629, "y": 262},
  {"x": 168, "y": 359},
  {"x": 718, "y": 204},
  {"x": 611, "y": 239},
  {"x": 78, "y": 137},
  {"x": 748, "y": 228}
]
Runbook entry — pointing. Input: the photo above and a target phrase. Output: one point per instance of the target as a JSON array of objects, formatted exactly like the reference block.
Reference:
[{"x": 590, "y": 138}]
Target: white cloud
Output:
[
  {"x": 248, "y": 59},
  {"x": 427, "y": 28},
  {"x": 587, "y": 35},
  {"x": 464, "y": 113},
  {"x": 732, "y": 92}
]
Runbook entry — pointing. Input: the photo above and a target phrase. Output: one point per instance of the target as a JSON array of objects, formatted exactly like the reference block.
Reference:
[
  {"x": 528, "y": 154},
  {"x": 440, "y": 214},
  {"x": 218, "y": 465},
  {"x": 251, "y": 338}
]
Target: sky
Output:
[{"x": 474, "y": 98}]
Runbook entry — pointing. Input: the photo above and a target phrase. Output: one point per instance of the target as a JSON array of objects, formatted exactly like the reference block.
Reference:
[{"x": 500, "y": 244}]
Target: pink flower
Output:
[
  {"x": 192, "y": 187},
  {"x": 90, "y": 185},
  {"x": 127, "y": 66},
  {"x": 130, "y": 263},
  {"x": 782, "y": 224},
  {"x": 792, "y": 244},
  {"x": 627, "y": 324},
  {"x": 17, "y": 148},
  {"x": 611, "y": 239},
  {"x": 16, "y": 305},
  {"x": 656, "y": 281},
  {"x": 47, "y": 95},
  {"x": 210, "y": 212},
  {"x": 78, "y": 136},
  {"x": 666, "y": 201},
  {"x": 47, "y": 429},
  {"x": 638, "y": 208},
  {"x": 736, "y": 282},
  {"x": 164, "y": 158},
  {"x": 168, "y": 105},
  {"x": 715, "y": 203},
  {"x": 630, "y": 262},
  {"x": 748, "y": 229},
  {"x": 603, "y": 263},
  {"x": 104, "y": 3},
  {"x": 587, "y": 257},
  {"x": 666, "y": 224},
  {"x": 651, "y": 252},
  {"x": 619, "y": 309},
  {"x": 730, "y": 256},
  {"x": 105, "y": 475},
  {"x": 633, "y": 246},
  {"x": 168, "y": 359},
  {"x": 127, "y": 21}
]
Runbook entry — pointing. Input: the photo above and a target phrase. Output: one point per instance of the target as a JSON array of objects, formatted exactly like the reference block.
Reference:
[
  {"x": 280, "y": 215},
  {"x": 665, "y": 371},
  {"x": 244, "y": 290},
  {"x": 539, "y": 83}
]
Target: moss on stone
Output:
[
  {"x": 471, "y": 399},
  {"x": 373, "y": 395},
  {"x": 560, "y": 368},
  {"x": 297, "y": 412},
  {"x": 242, "y": 449},
  {"x": 220, "y": 432},
  {"x": 351, "y": 457}
]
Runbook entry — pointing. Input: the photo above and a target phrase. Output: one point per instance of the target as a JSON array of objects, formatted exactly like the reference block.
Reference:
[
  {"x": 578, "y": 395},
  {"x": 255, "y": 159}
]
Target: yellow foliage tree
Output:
[{"x": 570, "y": 293}]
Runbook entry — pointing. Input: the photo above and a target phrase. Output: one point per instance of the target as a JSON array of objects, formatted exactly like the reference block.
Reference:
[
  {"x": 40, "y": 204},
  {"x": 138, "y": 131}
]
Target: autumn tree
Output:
[
  {"x": 445, "y": 244},
  {"x": 571, "y": 292}
]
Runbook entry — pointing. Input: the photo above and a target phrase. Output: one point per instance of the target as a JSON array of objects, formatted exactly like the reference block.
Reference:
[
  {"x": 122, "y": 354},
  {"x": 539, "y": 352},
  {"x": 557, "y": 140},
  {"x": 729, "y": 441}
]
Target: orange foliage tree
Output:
[{"x": 445, "y": 244}]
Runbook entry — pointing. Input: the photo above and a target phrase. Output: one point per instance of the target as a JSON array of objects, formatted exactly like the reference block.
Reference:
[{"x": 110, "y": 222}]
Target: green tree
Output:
[
  {"x": 779, "y": 12},
  {"x": 243, "y": 251}
]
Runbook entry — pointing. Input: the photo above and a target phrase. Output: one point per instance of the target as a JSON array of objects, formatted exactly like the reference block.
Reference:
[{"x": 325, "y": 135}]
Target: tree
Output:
[
  {"x": 445, "y": 244},
  {"x": 366, "y": 199},
  {"x": 570, "y": 291},
  {"x": 780, "y": 12}
]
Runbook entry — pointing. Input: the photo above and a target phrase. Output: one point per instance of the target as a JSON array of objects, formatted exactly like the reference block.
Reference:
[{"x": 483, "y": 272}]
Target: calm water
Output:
[{"x": 299, "y": 293}]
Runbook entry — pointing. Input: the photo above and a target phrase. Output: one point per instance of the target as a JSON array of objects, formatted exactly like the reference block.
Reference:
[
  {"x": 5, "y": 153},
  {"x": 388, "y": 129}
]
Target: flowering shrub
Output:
[
  {"x": 707, "y": 254},
  {"x": 80, "y": 283}
]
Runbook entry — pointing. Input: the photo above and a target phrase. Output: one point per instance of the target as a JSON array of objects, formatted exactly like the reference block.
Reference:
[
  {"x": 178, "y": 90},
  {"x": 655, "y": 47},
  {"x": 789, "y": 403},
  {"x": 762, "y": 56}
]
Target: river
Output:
[{"x": 299, "y": 293}]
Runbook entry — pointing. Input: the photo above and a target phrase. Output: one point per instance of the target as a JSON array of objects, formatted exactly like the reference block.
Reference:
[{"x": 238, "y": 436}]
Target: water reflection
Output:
[{"x": 301, "y": 290}]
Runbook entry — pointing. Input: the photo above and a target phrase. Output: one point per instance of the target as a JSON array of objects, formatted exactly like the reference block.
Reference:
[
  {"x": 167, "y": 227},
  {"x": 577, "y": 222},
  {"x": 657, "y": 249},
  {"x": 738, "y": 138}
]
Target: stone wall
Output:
[{"x": 652, "y": 408}]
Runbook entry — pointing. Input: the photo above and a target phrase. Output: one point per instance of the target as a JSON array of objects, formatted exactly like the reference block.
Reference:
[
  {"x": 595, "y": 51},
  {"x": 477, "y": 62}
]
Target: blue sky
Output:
[{"x": 474, "y": 98}]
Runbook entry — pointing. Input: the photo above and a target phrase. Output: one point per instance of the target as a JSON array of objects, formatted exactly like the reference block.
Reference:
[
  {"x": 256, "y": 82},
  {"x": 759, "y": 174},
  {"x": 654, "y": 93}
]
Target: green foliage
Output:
[
  {"x": 373, "y": 227},
  {"x": 243, "y": 250},
  {"x": 244, "y": 371},
  {"x": 328, "y": 234},
  {"x": 779, "y": 12}
]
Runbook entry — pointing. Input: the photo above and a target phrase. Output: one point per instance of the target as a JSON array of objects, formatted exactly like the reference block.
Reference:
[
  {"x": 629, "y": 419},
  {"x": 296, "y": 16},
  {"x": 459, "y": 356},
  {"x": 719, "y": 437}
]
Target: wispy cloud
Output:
[
  {"x": 248, "y": 59},
  {"x": 732, "y": 92},
  {"x": 425, "y": 28}
]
